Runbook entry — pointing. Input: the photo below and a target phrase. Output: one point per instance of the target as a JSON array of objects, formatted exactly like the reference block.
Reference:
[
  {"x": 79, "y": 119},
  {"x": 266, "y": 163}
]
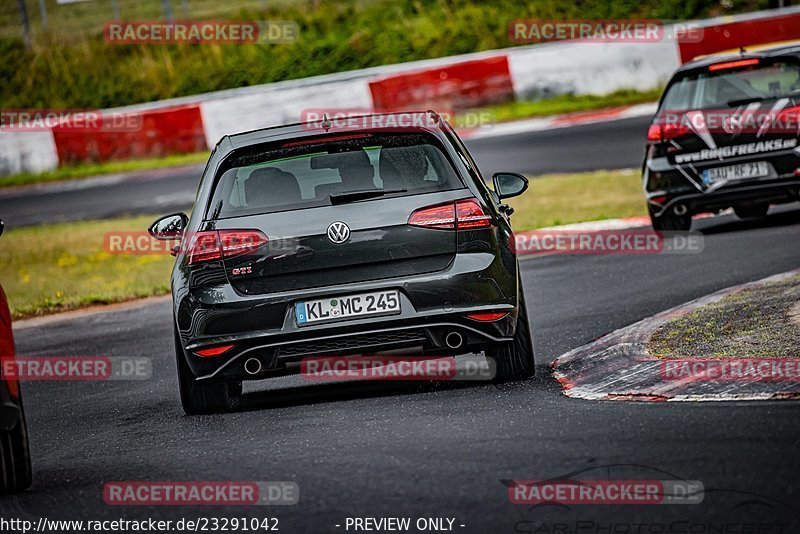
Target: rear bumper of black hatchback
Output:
[
  {"x": 434, "y": 318},
  {"x": 691, "y": 201}
]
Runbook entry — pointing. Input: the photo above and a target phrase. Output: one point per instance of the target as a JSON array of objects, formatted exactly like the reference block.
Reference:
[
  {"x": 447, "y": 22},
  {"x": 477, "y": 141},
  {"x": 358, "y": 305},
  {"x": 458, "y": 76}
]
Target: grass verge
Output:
[
  {"x": 88, "y": 170},
  {"x": 557, "y": 199},
  {"x": 760, "y": 322},
  {"x": 48, "y": 269}
]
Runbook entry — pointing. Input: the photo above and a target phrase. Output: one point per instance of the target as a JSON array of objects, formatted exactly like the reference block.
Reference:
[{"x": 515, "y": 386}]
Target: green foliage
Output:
[{"x": 71, "y": 66}]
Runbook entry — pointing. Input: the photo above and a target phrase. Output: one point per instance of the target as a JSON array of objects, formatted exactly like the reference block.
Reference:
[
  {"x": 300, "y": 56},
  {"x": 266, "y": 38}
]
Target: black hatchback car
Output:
[
  {"x": 319, "y": 239},
  {"x": 725, "y": 136}
]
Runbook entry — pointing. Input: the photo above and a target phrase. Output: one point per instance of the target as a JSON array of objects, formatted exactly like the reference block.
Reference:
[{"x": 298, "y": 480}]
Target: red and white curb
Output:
[{"x": 618, "y": 367}]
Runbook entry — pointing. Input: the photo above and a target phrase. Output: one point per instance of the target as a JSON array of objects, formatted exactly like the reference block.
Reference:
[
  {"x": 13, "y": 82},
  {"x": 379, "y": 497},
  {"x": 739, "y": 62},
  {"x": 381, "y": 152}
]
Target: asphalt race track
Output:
[
  {"x": 441, "y": 450},
  {"x": 611, "y": 145}
]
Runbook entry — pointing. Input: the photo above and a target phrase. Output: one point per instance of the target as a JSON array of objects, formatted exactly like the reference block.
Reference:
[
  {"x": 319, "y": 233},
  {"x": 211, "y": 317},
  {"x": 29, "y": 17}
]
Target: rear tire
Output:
[
  {"x": 669, "y": 222},
  {"x": 204, "y": 396},
  {"x": 15, "y": 457},
  {"x": 514, "y": 359},
  {"x": 751, "y": 211}
]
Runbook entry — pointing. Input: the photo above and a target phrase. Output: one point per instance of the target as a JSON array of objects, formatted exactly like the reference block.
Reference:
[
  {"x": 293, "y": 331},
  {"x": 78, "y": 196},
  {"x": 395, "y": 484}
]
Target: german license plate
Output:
[
  {"x": 339, "y": 308},
  {"x": 756, "y": 169}
]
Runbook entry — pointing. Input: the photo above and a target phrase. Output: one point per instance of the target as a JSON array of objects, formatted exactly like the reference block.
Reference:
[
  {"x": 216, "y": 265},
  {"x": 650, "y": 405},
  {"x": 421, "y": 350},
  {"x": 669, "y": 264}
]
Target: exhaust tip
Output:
[
  {"x": 680, "y": 209},
  {"x": 454, "y": 340},
  {"x": 252, "y": 366}
]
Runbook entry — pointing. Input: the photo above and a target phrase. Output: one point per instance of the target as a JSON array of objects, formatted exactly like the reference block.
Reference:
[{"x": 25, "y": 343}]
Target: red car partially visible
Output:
[{"x": 15, "y": 459}]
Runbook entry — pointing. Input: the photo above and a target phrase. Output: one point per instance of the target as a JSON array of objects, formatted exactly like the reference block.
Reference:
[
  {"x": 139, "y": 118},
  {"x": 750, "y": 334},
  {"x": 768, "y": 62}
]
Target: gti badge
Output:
[{"x": 338, "y": 232}]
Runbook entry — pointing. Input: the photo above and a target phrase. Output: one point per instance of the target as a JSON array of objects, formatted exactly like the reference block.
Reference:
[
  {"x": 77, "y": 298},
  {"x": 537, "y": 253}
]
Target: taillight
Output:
[
  {"x": 654, "y": 133},
  {"x": 734, "y": 64},
  {"x": 213, "y": 351},
  {"x": 238, "y": 242},
  {"x": 461, "y": 215},
  {"x": 217, "y": 244},
  {"x": 470, "y": 215},
  {"x": 436, "y": 217},
  {"x": 204, "y": 247},
  {"x": 664, "y": 131},
  {"x": 789, "y": 116}
]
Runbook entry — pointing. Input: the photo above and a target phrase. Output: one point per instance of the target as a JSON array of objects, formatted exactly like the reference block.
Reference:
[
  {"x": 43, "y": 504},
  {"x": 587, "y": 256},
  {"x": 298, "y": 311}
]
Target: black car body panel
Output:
[
  {"x": 723, "y": 132},
  {"x": 440, "y": 275}
]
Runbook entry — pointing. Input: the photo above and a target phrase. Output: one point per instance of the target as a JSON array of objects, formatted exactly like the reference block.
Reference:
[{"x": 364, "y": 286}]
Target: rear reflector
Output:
[
  {"x": 462, "y": 215},
  {"x": 487, "y": 317},
  {"x": 216, "y": 244},
  {"x": 213, "y": 351},
  {"x": 734, "y": 64}
]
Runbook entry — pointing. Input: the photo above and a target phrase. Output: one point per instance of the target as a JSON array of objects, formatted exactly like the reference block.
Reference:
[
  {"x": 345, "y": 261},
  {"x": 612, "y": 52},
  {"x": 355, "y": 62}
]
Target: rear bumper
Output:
[
  {"x": 786, "y": 189},
  {"x": 277, "y": 353},
  {"x": 432, "y": 306}
]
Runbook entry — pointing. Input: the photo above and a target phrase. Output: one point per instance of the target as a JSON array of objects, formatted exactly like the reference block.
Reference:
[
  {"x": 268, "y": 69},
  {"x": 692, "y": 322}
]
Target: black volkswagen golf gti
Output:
[
  {"x": 317, "y": 239},
  {"x": 725, "y": 136}
]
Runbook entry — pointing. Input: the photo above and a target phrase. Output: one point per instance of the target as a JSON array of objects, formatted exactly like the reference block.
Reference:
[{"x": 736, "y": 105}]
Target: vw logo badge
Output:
[
  {"x": 732, "y": 124},
  {"x": 338, "y": 232}
]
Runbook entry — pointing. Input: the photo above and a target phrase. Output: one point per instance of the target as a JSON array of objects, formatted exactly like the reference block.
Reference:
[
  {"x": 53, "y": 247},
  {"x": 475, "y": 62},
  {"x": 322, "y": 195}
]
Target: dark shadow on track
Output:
[
  {"x": 732, "y": 224},
  {"x": 316, "y": 393}
]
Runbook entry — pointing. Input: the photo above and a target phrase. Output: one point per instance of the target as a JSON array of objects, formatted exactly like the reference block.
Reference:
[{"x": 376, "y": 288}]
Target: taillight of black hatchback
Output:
[
  {"x": 309, "y": 241},
  {"x": 725, "y": 136}
]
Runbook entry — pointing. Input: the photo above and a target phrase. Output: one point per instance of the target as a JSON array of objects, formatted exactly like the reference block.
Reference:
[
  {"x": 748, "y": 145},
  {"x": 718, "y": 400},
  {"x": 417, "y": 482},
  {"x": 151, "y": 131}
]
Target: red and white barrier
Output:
[
  {"x": 459, "y": 85},
  {"x": 197, "y": 123},
  {"x": 157, "y": 133}
]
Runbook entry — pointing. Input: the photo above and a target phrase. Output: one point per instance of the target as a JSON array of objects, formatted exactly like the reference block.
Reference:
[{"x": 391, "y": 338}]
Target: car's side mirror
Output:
[
  {"x": 2, "y": 225},
  {"x": 170, "y": 227},
  {"x": 509, "y": 184}
]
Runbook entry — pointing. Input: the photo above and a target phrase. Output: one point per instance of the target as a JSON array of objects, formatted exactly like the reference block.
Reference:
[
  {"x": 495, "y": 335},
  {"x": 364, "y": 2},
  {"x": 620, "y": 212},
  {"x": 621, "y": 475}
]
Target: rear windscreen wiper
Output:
[
  {"x": 743, "y": 101},
  {"x": 362, "y": 194}
]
